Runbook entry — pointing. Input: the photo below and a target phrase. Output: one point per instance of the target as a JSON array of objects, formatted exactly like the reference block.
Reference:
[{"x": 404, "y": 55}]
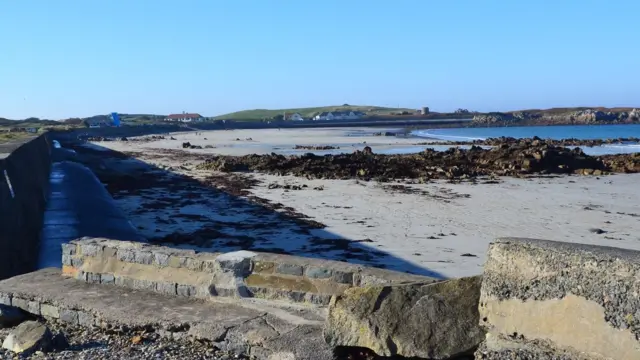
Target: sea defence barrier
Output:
[
  {"x": 537, "y": 299},
  {"x": 203, "y": 275},
  {"x": 47, "y": 200},
  {"x": 24, "y": 184}
]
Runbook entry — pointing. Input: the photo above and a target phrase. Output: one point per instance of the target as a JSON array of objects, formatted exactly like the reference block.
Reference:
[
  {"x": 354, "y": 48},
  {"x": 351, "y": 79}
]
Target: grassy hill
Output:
[{"x": 259, "y": 114}]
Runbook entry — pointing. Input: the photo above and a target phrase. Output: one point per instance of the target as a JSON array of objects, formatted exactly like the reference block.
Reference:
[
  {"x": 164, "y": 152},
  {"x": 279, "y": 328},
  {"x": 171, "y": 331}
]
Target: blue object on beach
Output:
[{"x": 116, "y": 119}]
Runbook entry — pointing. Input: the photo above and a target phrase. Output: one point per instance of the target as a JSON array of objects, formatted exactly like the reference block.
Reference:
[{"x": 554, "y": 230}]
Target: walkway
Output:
[{"x": 78, "y": 206}]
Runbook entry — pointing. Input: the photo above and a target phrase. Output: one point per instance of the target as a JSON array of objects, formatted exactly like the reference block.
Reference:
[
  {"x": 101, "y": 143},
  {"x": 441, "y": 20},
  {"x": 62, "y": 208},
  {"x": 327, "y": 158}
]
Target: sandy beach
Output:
[
  {"x": 437, "y": 228},
  {"x": 245, "y": 142}
]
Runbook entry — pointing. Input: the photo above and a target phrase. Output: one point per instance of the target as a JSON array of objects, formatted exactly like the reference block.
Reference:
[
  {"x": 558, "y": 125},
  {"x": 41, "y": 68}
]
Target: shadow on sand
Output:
[{"x": 214, "y": 212}]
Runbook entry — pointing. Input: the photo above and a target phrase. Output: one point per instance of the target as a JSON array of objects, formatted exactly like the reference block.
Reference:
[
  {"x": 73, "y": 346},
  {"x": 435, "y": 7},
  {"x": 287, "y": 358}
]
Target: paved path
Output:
[{"x": 78, "y": 206}]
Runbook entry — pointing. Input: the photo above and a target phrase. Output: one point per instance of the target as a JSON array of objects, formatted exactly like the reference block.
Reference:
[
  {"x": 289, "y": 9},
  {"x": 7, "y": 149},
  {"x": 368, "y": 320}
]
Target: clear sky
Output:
[{"x": 72, "y": 58}]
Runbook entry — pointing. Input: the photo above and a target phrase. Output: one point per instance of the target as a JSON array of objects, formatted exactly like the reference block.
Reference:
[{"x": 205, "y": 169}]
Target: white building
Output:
[
  {"x": 339, "y": 115},
  {"x": 185, "y": 118},
  {"x": 293, "y": 117}
]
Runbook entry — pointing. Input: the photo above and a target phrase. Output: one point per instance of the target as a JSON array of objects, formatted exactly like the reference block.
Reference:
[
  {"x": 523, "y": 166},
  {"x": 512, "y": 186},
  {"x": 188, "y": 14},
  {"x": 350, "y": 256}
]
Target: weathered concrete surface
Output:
[
  {"x": 78, "y": 205},
  {"x": 578, "y": 299},
  {"x": 238, "y": 274},
  {"x": 432, "y": 321},
  {"x": 496, "y": 348},
  {"x": 24, "y": 185},
  {"x": 258, "y": 327}
]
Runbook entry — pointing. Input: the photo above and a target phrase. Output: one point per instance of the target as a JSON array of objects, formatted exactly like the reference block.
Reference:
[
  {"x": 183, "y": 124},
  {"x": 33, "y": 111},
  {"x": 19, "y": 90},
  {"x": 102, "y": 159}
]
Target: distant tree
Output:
[
  {"x": 278, "y": 117},
  {"x": 346, "y": 105},
  {"x": 32, "y": 119}
]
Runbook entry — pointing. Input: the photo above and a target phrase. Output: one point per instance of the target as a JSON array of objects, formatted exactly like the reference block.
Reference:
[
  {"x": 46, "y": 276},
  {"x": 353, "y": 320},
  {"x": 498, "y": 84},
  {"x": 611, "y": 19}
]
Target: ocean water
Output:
[{"x": 546, "y": 132}]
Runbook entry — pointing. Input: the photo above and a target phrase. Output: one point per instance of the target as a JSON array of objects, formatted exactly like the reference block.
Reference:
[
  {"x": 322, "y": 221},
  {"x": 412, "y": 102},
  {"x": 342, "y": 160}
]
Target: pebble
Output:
[{"x": 97, "y": 344}]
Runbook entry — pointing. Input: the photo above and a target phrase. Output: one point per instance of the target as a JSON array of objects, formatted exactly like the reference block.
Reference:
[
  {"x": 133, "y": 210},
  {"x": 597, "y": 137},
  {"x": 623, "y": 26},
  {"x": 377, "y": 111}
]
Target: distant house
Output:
[
  {"x": 339, "y": 115},
  {"x": 184, "y": 117},
  {"x": 32, "y": 130},
  {"x": 293, "y": 117},
  {"x": 95, "y": 122}
]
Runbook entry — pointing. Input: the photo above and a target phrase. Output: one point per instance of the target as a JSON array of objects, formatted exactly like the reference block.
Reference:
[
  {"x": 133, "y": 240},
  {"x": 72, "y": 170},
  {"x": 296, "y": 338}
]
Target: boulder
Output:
[
  {"x": 433, "y": 321},
  {"x": 10, "y": 316},
  {"x": 29, "y": 337}
]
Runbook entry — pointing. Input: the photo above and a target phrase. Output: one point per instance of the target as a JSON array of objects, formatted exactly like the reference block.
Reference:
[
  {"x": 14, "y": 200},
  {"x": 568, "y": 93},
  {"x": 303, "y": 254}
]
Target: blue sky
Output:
[{"x": 69, "y": 58}]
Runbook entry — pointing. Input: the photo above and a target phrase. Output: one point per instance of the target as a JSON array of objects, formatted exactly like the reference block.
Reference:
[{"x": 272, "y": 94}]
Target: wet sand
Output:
[{"x": 433, "y": 228}]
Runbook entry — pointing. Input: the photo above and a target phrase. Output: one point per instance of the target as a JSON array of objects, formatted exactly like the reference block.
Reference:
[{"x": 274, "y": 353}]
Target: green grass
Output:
[
  {"x": 6, "y": 137},
  {"x": 259, "y": 114}
]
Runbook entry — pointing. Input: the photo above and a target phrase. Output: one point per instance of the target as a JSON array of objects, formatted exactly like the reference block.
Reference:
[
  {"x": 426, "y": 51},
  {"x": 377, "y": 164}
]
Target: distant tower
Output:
[{"x": 425, "y": 110}]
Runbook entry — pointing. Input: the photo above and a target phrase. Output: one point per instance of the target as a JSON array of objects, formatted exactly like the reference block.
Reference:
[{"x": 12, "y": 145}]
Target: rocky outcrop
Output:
[
  {"x": 431, "y": 321},
  {"x": 509, "y": 158},
  {"x": 555, "y": 117}
]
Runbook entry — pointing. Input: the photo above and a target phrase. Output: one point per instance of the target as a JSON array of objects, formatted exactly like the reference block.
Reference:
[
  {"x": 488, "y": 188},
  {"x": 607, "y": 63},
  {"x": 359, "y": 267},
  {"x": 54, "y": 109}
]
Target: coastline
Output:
[{"x": 436, "y": 227}]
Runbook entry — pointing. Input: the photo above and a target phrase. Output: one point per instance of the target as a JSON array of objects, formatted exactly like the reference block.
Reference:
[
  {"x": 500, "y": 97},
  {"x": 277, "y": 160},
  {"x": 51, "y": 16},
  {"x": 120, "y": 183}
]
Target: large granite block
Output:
[{"x": 430, "y": 321}]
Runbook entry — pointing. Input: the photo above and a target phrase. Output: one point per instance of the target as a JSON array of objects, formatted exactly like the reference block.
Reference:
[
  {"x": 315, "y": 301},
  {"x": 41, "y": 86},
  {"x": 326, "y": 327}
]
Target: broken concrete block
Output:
[
  {"x": 560, "y": 298},
  {"x": 433, "y": 321}
]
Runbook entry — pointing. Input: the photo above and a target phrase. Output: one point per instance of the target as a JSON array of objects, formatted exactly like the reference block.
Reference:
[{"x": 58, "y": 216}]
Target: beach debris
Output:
[
  {"x": 597, "y": 231},
  {"x": 187, "y": 145}
]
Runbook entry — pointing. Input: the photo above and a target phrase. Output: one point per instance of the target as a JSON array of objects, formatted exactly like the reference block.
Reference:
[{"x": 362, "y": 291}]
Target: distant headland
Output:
[{"x": 359, "y": 114}]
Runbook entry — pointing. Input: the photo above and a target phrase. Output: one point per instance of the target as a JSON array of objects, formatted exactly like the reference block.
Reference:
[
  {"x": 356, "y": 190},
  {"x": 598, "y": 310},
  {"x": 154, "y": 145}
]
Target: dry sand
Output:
[
  {"x": 245, "y": 142},
  {"x": 440, "y": 229}
]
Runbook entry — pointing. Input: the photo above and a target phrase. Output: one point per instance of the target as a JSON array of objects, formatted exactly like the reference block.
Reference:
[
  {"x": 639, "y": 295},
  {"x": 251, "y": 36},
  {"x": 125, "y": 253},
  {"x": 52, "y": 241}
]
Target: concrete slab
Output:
[{"x": 259, "y": 327}]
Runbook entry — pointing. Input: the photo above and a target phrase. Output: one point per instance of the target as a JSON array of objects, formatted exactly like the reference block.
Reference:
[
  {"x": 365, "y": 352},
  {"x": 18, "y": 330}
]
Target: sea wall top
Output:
[{"x": 24, "y": 179}]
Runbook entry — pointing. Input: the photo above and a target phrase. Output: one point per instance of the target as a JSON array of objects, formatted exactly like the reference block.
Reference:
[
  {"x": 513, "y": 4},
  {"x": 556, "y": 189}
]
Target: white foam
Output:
[{"x": 429, "y": 134}]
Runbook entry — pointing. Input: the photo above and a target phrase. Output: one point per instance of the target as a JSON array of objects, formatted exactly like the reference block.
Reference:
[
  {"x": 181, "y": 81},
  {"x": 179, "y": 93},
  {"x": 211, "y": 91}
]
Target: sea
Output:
[{"x": 583, "y": 132}]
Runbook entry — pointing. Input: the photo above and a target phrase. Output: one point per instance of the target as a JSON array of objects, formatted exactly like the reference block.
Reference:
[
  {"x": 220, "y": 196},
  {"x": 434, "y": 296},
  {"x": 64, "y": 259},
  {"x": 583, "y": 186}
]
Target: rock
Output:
[
  {"x": 433, "y": 321},
  {"x": 29, "y": 337},
  {"x": 10, "y": 316}
]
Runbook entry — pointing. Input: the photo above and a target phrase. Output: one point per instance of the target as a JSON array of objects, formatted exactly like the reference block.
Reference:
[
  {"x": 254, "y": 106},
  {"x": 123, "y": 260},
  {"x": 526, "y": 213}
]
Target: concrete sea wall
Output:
[
  {"x": 550, "y": 300},
  {"x": 24, "y": 180},
  {"x": 202, "y": 275}
]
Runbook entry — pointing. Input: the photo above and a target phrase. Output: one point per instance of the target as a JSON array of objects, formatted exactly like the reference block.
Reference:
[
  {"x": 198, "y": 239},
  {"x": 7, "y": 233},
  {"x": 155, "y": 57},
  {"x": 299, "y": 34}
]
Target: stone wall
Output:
[
  {"x": 24, "y": 180},
  {"x": 202, "y": 275},
  {"x": 550, "y": 300}
]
